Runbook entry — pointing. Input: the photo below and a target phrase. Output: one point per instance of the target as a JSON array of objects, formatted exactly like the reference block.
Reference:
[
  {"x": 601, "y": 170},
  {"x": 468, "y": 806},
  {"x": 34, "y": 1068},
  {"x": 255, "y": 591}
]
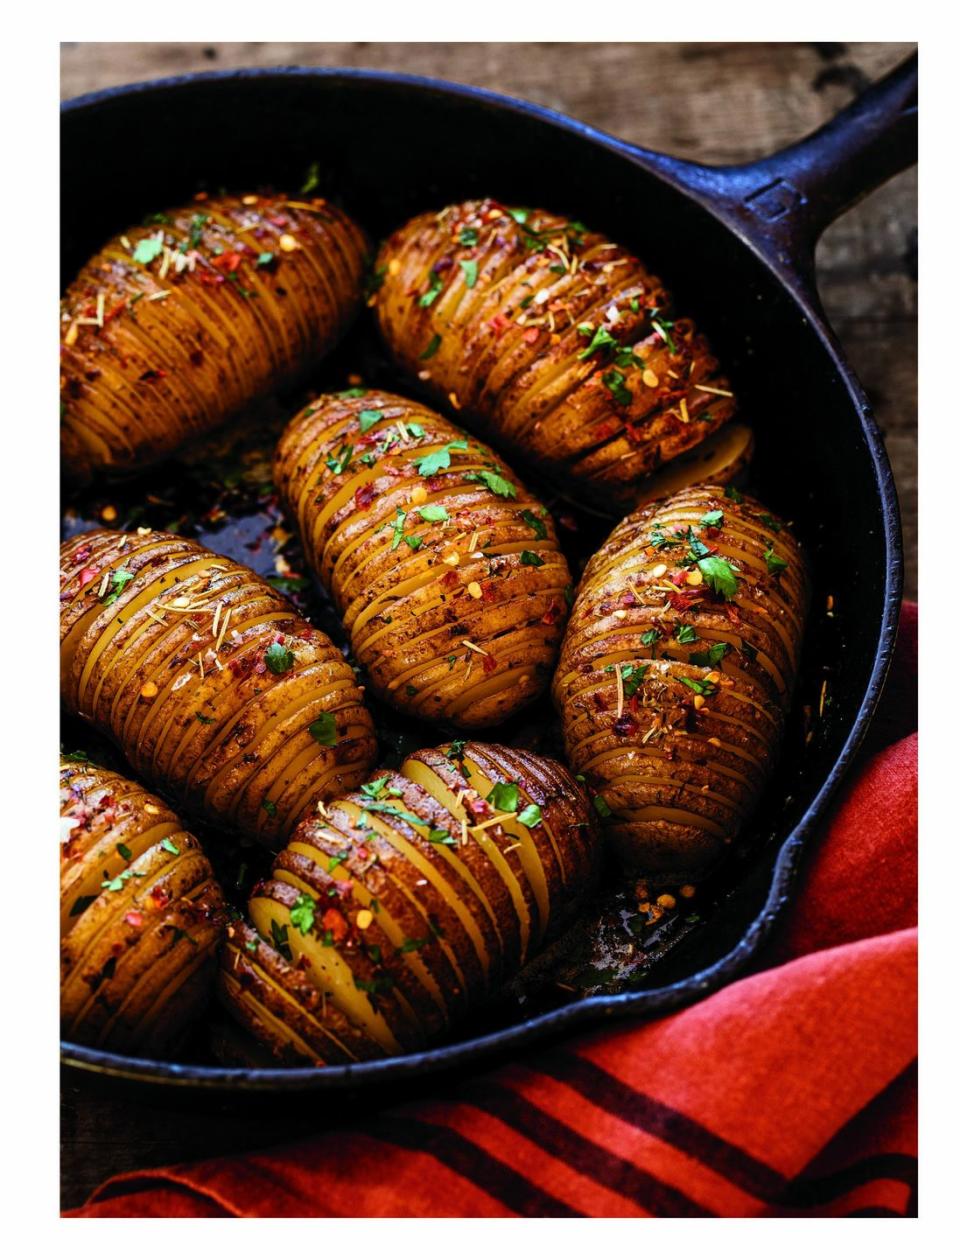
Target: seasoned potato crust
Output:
[
  {"x": 209, "y": 681},
  {"x": 401, "y": 906},
  {"x": 557, "y": 342},
  {"x": 446, "y": 569},
  {"x": 141, "y": 915},
  {"x": 676, "y": 672},
  {"x": 175, "y": 325}
]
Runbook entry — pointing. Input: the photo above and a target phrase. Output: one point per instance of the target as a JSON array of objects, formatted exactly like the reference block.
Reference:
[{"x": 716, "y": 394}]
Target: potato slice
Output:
[
  {"x": 553, "y": 340},
  {"x": 177, "y": 324},
  {"x": 676, "y": 671},
  {"x": 419, "y": 851},
  {"x": 446, "y": 569},
  {"x": 141, "y": 915},
  {"x": 208, "y": 680}
]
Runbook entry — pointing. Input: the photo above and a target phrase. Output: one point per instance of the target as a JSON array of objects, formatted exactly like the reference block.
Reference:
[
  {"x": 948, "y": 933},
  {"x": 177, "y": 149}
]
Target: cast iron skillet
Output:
[{"x": 736, "y": 244}]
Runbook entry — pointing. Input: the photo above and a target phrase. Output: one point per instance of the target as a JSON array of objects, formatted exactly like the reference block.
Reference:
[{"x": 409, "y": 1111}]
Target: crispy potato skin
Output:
[
  {"x": 499, "y": 317},
  {"x": 141, "y": 915},
  {"x": 144, "y": 622},
  {"x": 678, "y": 744},
  {"x": 415, "y": 592},
  {"x": 245, "y": 293},
  {"x": 404, "y": 905}
]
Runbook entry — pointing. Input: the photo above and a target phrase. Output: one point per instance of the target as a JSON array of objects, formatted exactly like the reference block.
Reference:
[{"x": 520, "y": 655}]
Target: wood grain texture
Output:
[{"x": 708, "y": 102}]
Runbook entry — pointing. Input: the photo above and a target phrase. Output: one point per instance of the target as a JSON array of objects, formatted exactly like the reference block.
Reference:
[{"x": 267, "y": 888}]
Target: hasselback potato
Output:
[
  {"x": 400, "y": 906},
  {"x": 176, "y": 324},
  {"x": 446, "y": 569},
  {"x": 676, "y": 672},
  {"x": 141, "y": 914},
  {"x": 210, "y": 682},
  {"x": 557, "y": 342}
]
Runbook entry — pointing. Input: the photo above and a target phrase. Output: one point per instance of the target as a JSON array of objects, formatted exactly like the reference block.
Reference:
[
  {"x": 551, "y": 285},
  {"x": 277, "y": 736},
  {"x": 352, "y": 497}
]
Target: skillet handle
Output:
[{"x": 782, "y": 203}]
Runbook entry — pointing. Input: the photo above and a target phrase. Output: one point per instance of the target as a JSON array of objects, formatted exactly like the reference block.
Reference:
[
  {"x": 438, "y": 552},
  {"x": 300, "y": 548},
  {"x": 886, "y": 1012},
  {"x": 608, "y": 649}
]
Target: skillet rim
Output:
[{"x": 600, "y": 1007}]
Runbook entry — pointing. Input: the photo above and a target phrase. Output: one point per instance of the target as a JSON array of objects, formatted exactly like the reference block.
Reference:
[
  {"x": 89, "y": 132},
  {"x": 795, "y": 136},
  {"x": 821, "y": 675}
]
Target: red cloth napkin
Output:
[{"x": 789, "y": 1093}]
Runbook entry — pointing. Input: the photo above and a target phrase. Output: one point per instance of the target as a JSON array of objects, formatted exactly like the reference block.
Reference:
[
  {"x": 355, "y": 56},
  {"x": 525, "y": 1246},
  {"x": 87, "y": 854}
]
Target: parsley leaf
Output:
[
  {"x": 368, "y": 419},
  {"x": 713, "y": 520},
  {"x": 771, "y": 522},
  {"x": 701, "y": 688},
  {"x": 601, "y": 806},
  {"x": 531, "y": 558},
  {"x": 468, "y": 237},
  {"x": 269, "y": 808},
  {"x": 120, "y": 579},
  {"x": 279, "y": 934},
  {"x": 733, "y": 494},
  {"x": 167, "y": 843},
  {"x": 685, "y": 634},
  {"x": 264, "y": 259},
  {"x": 278, "y": 659},
  {"x": 505, "y": 797},
  {"x": 324, "y": 730},
  {"x": 433, "y": 345},
  {"x": 602, "y": 339},
  {"x": 530, "y": 816},
  {"x": 775, "y": 564},
  {"x": 649, "y": 637},
  {"x": 469, "y": 269},
  {"x": 493, "y": 480},
  {"x": 632, "y": 676},
  {"x": 713, "y": 656},
  {"x": 720, "y": 575},
  {"x": 432, "y": 463},
  {"x": 340, "y": 462},
  {"x": 433, "y": 512},
  {"x": 615, "y": 382}
]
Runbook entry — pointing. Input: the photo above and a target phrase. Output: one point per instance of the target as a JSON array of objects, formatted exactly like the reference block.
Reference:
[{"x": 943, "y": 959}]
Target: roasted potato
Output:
[
  {"x": 401, "y": 906},
  {"x": 676, "y": 672},
  {"x": 556, "y": 342},
  {"x": 447, "y": 571},
  {"x": 174, "y": 326},
  {"x": 209, "y": 681},
  {"x": 141, "y": 915}
]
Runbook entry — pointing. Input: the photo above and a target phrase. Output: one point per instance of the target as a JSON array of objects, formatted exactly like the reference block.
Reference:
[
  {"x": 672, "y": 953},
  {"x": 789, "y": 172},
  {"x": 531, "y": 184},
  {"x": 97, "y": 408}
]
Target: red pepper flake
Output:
[
  {"x": 153, "y": 374},
  {"x": 88, "y": 574},
  {"x": 499, "y": 323},
  {"x": 134, "y": 918},
  {"x": 531, "y": 335},
  {"x": 159, "y": 898},
  {"x": 489, "y": 663},
  {"x": 365, "y": 495},
  {"x": 227, "y": 262},
  {"x": 682, "y": 600},
  {"x": 449, "y": 579},
  {"x": 552, "y": 615},
  {"x": 279, "y": 220},
  {"x": 625, "y": 726},
  {"x": 334, "y": 923},
  {"x": 211, "y": 277}
]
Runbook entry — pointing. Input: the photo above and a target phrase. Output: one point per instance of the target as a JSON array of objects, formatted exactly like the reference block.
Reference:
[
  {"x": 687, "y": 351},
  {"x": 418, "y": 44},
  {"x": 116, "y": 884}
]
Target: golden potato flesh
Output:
[
  {"x": 555, "y": 341},
  {"x": 174, "y": 326},
  {"x": 214, "y": 687},
  {"x": 676, "y": 672},
  {"x": 402, "y": 906},
  {"x": 141, "y": 915},
  {"x": 447, "y": 571}
]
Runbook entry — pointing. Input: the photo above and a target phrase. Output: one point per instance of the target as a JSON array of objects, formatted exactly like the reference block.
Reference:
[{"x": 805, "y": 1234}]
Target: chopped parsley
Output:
[
  {"x": 712, "y": 520},
  {"x": 303, "y": 913},
  {"x": 701, "y": 688},
  {"x": 436, "y": 288},
  {"x": 733, "y": 494},
  {"x": 530, "y": 816},
  {"x": 433, "y": 345},
  {"x": 601, "y": 340},
  {"x": 685, "y": 634},
  {"x": 279, "y": 934},
  {"x": 649, "y": 637},
  {"x": 433, "y": 512},
  {"x": 269, "y": 809},
  {"x": 531, "y": 557},
  {"x": 264, "y": 259},
  {"x": 147, "y": 250},
  {"x": 771, "y": 522},
  {"x": 713, "y": 656},
  {"x": 468, "y": 237},
  {"x": 469, "y": 268},
  {"x": 124, "y": 852},
  {"x": 168, "y": 844},
  {"x": 601, "y": 806},
  {"x": 535, "y": 523},
  {"x": 495, "y": 482},
  {"x": 615, "y": 382},
  {"x": 119, "y": 581},
  {"x": 340, "y": 462}
]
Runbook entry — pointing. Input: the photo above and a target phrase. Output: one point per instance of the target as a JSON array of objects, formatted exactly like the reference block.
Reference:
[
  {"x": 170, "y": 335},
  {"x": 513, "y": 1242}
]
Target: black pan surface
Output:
[{"x": 736, "y": 247}]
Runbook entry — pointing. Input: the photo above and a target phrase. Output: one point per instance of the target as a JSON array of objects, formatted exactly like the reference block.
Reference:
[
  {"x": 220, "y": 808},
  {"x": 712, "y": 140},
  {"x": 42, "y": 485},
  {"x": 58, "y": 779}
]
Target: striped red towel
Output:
[{"x": 791, "y": 1092}]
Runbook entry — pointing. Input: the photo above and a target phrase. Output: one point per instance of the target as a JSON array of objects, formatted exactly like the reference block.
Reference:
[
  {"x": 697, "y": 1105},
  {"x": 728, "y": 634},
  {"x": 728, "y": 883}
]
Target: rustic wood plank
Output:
[{"x": 709, "y": 102}]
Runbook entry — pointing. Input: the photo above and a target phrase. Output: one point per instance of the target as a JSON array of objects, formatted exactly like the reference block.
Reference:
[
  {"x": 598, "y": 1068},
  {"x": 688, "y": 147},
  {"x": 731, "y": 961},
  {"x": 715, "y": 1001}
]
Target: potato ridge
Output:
[
  {"x": 209, "y": 681},
  {"x": 677, "y": 670},
  {"x": 141, "y": 915},
  {"x": 176, "y": 324},
  {"x": 400, "y": 907},
  {"x": 446, "y": 570},
  {"x": 555, "y": 341}
]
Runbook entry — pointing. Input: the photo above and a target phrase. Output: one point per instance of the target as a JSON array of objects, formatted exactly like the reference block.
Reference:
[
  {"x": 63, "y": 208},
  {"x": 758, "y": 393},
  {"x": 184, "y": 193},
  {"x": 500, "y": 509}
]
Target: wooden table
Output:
[{"x": 708, "y": 102}]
